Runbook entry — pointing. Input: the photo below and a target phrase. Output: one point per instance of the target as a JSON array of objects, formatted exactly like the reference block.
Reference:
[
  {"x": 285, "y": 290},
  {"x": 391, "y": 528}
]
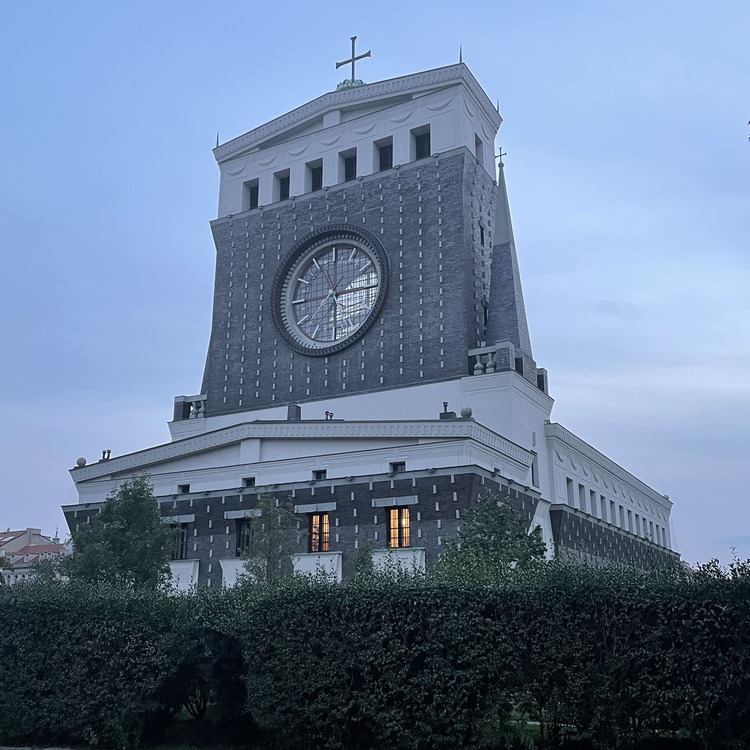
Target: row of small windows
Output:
[
  {"x": 347, "y": 168},
  {"x": 317, "y": 474},
  {"x": 615, "y": 514},
  {"x": 319, "y": 525},
  {"x": 319, "y": 533}
]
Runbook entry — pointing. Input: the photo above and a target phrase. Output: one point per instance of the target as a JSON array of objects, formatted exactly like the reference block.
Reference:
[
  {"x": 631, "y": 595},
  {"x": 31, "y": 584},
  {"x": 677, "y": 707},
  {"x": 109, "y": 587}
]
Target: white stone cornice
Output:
[
  {"x": 417, "y": 429},
  {"x": 558, "y": 432},
  {"x": 359, "y": 95}
]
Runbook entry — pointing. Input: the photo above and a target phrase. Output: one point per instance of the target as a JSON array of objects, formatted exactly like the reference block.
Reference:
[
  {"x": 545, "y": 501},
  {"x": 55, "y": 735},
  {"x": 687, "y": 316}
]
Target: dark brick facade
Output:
[
  {"x": 581, "y": 536},
  {"x": 426, "y": 215},
  {"x": 443, "y": 497}
]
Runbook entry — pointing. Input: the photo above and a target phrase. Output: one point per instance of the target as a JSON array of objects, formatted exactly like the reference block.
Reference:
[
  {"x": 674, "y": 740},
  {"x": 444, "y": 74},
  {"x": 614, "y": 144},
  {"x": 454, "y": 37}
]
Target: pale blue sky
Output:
[{"x": 628, "y": 172}]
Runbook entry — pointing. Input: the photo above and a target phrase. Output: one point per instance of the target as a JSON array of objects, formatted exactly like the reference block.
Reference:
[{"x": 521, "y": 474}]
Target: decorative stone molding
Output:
[
  {"x": 360, "y": 94},
  {"x": 315, "y": 508},
  {"x": 231, "y": 515},
  {"x": 435, "y": 429},
  {"x": 393, "y": 502},
  {"x": 557, "y": 432}
]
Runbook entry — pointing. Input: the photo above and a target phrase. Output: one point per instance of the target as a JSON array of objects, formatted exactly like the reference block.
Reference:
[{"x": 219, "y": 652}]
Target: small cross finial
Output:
[
  {"x": 353, "y": 58},
  {"x": 500, "y": 155}
]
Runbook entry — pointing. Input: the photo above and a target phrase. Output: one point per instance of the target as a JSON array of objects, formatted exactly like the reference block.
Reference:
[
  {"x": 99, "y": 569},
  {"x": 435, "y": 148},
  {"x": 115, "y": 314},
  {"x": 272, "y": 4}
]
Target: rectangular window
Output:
[
  {"x": 320, "y": 473},
  {"x": 592, "y": 502},
  {"x": 384, "y": 154},
  {"x": 612, "y": 512},
  {"x": 183, "y": 489},
  {"x": 421, "y": 142},
  {"x": 248, "y": 482},
  {"x": 603, "y": 504},
  {"x": 281, "y": 186},
  {"x": 569, "y": 487},
  {"x": 397, "y": 466},
  {"x": 622, "y": 517},
  {"x": 535, "y": 470},
  {"x": 320, "y": 533},
  {"x": 399, "y": 528},
  {"x": 350, "y": 168},
  {"x": 481, "y": 235},
  {"x": 630, "y": 521},
  {"x": 179, "y": 542},
  {"x": 250, "y": 195},
  {"x": 314, "y": 176},
  {"x": 244, "y": 538},
  {"x": 582, "y": 497},
  {"x": 479, "y": 149}
]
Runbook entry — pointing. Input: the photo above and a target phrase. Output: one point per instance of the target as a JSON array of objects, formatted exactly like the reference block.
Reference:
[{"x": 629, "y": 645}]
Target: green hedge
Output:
[{"x": 605, "y": 657}]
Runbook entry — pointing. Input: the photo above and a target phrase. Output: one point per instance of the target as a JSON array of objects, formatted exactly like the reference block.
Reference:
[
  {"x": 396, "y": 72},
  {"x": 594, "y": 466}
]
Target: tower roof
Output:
[
  {"x": 506, "y": 295},
  {"x": 352, "y": 97}
]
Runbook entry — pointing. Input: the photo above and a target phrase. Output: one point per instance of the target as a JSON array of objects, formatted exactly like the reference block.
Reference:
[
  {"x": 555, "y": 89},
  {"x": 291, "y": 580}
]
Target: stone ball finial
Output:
[
  {"x": 81, "y": 462},
  {"x": 466, "y": 412}
]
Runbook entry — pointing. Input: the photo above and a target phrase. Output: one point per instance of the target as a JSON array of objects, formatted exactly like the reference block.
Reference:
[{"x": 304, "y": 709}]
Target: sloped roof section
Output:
[{"x": 392, "y": 88}]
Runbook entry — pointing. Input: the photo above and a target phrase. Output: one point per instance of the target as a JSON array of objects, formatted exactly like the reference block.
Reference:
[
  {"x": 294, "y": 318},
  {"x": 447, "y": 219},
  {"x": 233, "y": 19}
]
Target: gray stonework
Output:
[
  {"x": 427, "y": 216},
  {"x": 580, "y": 536}
]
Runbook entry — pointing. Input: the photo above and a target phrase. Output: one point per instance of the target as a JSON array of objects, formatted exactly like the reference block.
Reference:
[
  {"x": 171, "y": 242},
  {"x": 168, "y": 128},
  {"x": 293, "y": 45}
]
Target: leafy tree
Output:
[
  {"x": 5, "y": 564},
  {"x": 270, "y": 540},
  {"x": 493, "y": 540},
  {"x": 126, "y": 543}
]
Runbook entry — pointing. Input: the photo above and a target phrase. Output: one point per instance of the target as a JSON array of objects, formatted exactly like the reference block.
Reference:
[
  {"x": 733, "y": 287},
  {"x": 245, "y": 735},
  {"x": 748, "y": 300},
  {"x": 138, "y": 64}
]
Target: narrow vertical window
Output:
[
  {"x": 569, "y": 488},
  {"x": 479, "y": 149},
  {"x": 179, "y": 542},
  {"x": 281, "y": 186},
  {"x": 320, "y": 533},
  {"x": 421, "y": 142},
  {"x": 582, "y": 497},
  {"x": 244, "y": 538},
  {"x": 250, "y": 195},
  {"x": 399, "y": 528},
  {"x": 348, "y": 161},
  {"x": 314, "y": 176},
  {"x": 384, "y": 154}
]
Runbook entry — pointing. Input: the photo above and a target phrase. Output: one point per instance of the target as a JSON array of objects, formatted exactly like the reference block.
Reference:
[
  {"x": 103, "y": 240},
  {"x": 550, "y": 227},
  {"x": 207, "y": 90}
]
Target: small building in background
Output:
[{"x": 24, "y": 550}]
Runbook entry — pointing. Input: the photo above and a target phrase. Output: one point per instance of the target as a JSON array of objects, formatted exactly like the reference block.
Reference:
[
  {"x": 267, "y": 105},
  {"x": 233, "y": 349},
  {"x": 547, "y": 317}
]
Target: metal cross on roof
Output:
[{"x": 353, "y": 58}]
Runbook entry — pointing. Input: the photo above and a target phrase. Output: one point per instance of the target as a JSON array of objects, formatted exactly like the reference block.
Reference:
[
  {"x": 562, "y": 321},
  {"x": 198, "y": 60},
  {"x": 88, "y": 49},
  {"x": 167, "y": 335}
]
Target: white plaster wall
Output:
[
  {"x": 453, "y": 114},
  {"x": 503, "y": 402},
  {"x": 231, "y": 569},
  {"x": 586, "y": 467},
  {"x": 316, "y": 563},
  {"x": 412, "y": 558},
  {"x": 184, "y": 574}
]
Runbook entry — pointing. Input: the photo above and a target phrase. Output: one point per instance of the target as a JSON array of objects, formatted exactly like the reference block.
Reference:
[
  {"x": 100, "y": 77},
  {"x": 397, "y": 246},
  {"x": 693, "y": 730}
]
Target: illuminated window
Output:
[
  {"x": 320, "y": 532},
  {"x": 399, "y": 528}
]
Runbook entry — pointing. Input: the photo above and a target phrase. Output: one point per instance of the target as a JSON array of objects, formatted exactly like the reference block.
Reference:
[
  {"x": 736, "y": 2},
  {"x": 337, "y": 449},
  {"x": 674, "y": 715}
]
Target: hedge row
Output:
[{"x": 612, "y": 658}]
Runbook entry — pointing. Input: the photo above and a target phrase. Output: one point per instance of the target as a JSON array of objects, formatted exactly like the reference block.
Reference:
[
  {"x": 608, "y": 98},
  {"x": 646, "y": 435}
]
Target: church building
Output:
[{"x": 369, "y": 357}]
